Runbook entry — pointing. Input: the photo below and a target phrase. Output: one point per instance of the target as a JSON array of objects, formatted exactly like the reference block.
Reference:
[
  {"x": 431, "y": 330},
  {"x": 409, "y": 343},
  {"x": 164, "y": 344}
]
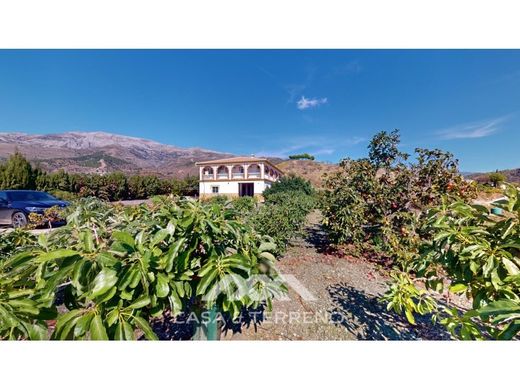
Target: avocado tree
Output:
[
  {"x": 17, "y": 173},
  {"x": 117, "y": 268},
  {"x": 496, "y": 178},
  {"x": 478, "y": 255},
  {"x": 375, "y": 203}
]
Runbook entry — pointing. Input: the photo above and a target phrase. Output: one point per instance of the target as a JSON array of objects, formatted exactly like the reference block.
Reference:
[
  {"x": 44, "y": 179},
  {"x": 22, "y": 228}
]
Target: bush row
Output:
[
  {"x": 116, "y": 268},
  {"x": 18, "y": 173}
]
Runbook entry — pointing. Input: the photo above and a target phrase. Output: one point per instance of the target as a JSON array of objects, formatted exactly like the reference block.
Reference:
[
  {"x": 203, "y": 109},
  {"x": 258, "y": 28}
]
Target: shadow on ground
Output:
[
  {"x": 182, "y": 327},
  {"x": 366, "y": 318},
  {"x": 247, "y": 318},
  {"x": 168, "y": 327},
  {"x": 316, "y": 237}
]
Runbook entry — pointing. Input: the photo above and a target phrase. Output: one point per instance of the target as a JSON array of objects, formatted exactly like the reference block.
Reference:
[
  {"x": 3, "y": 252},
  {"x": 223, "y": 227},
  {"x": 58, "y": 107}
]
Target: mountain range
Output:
[{"x": 101, "y": 152}]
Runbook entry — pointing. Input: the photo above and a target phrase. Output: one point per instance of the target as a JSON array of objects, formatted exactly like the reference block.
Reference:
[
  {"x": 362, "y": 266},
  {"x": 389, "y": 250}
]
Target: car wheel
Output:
[{"x": 19, "y": 219}]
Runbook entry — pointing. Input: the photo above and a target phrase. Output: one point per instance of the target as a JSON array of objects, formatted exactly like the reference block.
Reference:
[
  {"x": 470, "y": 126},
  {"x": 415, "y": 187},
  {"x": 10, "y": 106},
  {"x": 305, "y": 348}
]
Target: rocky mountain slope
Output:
[
  {"x": 313, "y": 171},
  {"x": 99, "y": 152}
]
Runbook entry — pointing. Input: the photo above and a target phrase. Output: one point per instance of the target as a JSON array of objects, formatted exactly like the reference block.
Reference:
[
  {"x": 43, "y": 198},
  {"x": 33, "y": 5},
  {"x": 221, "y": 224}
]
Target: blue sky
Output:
[{"x": 274, "y": 102}]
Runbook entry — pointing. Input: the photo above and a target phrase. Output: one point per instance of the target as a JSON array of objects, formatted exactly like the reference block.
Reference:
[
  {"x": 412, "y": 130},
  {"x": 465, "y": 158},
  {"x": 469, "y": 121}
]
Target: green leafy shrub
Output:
[
  {"x": 290, "y": 184},
  {"x": 64, "y": 195},
  {"x": 244, "y": 204},
  {"x": 479, "y": 253},
  {"x": 121, "y": 266},
  {"x": 375, "y": 204},
  {"x": 221, "y": 200},
  {"x": 282, "y": 217},
  {"x": 302, "y": 156}
]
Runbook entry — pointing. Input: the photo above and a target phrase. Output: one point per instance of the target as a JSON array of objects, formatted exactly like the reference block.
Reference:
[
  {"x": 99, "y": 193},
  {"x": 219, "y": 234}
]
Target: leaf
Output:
[
  {"x": 119, "y": 333},
  {"x": 127, "y": 276},
  {"x": 510, "y": 331},
  {"x": 159, "y": 236},
  {"x": 490, "y": 264},
  {"x": 162, "y": 288},
  {"x": 17, "y": 260},
  {"x": 179, "y": 287},
  {"x": 140, "y": 302},
  {"x": 145, "y": 327},
  {"x": 267, "y": 247},
  {"x": 458, "y": 287},
  {"x": 173, "y": 253},
  {"x": 268, "y": 256},
  {"x": 55, "y": 255},
  {"x": 107, "y": 259},
  {"x": 24, "y": 305},
  {"x": 206, "y": 281},
  {"x": 124, "y": 331},
  {"x": 499, "y": 307},
  {"x": 103, "y": 282},
  {"x": 36, "y": 331},
  {"x": 129, "y": 331},
  {"x": 496, "y": 281},
  {"x": 97, "y": 329},
  {"x": 511, "y": 267},
  {"x": 409, "y": 316},
  {"x": 87, "y": 240},
  {"x": 175, "y": 303},
  {"x": 65, "y": 323},
  {"x": 125, "y": 238},
  {"x": 106, "y": 296},
  {"x": 112, "y": 317},
  {"x": 83, "y": 324},
  {"x": 78, "y": 273}
]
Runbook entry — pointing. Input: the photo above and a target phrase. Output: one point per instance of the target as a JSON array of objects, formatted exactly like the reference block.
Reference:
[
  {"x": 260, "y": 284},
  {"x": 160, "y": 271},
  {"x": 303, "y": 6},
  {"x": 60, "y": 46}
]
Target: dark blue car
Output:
[{"x": 16, "y": 205}]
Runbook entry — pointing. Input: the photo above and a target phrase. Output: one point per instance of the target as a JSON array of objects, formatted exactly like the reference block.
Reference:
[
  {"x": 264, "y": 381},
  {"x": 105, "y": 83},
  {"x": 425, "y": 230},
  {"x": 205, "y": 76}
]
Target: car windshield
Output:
[{"x": 29, "y": 196}]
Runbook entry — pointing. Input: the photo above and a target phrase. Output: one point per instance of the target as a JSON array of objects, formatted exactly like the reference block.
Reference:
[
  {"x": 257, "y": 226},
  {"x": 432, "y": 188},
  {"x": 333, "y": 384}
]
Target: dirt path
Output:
[{"x": 346, "y": 305}]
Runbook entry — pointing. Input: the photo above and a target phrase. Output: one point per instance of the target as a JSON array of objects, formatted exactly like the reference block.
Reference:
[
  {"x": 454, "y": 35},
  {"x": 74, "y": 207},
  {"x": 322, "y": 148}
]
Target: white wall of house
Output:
[{"x": 230, "y": 187}]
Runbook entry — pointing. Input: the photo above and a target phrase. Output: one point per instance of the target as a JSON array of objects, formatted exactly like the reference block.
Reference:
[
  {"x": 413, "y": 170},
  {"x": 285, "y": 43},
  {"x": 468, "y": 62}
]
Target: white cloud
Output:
[
  {"x": 473, "y": 130},
  {"x": 305, "y": 103}
]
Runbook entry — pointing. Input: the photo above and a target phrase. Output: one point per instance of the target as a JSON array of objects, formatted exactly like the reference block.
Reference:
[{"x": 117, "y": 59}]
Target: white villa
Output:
[{"x": 236, "y": 176}]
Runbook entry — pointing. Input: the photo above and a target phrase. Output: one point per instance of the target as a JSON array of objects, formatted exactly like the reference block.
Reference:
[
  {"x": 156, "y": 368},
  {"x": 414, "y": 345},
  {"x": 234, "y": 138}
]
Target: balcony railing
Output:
[{"x": 237, "y": 175}]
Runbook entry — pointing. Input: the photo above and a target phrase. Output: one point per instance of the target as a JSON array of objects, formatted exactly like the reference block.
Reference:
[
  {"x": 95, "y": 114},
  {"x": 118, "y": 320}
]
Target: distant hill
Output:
[
  {"x": 100, "y": 152},
  {"x": 313, "y": 171},
  {"x": 512, "y": 175}
]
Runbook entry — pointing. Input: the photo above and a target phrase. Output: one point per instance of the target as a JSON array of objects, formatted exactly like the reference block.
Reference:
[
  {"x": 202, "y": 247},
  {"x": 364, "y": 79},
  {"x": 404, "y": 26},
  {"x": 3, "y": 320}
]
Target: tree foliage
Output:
[
  {"x": 384, "y": 149},
  {"x": 496, "y": 178},
  {"x": 479, "y": 254},
  {"x": 282, "y": 217},
  {"x": 302, "y": 156},
  {"x": 290, "y": 183},
  {"x": 17, "y": 173},
  {"x": 375, "y": 204},
  {"x": 118, "y": 267}
]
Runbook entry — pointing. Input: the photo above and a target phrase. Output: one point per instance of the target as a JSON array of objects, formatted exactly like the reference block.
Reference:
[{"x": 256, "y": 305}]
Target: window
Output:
[{"x": 214, "y": 189}]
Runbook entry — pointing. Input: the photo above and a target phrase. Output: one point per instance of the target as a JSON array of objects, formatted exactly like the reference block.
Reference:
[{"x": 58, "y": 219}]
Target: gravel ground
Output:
[{"x": 346, "y": 305}]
